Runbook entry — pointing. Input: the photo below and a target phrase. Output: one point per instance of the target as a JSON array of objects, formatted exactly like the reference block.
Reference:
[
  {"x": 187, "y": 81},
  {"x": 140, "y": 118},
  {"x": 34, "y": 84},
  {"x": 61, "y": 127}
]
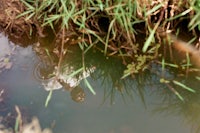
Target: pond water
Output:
[{"x": 149, "y": 109}]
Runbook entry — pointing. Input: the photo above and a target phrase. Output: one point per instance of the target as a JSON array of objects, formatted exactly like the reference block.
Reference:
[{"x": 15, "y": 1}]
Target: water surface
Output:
[{"x": 96, "y": 114}]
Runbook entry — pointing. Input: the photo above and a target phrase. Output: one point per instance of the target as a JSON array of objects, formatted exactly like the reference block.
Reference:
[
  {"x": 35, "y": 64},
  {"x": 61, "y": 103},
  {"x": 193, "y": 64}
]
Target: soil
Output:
[{"x": 17, "y": 28}]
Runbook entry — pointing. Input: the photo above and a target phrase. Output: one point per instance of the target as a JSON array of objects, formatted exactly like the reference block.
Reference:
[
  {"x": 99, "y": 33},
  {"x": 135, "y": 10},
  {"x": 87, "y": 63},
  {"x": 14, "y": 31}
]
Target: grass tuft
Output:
[{"x": 133, "y": 31}]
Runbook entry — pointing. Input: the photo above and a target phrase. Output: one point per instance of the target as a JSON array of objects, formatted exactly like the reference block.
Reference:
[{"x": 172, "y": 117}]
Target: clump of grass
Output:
[
  {"x": 195, "y": 19},
  {"x": 117, "y": 25}
]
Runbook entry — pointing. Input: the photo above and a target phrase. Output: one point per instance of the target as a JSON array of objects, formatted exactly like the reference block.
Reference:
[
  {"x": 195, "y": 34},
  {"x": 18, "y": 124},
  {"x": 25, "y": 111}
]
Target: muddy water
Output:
[{"x": 149, "y": 109}]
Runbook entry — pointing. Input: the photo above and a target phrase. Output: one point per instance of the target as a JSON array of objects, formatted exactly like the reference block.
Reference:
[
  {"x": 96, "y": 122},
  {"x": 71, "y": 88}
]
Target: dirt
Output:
[
  {"x": 17, "y": 28},
  {"x": 9, "y": 20}
]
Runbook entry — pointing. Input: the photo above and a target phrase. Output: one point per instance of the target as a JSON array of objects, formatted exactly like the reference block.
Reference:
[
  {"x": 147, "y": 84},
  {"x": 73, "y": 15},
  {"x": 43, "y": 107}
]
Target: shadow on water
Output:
[{"x": 139, "y": 104}]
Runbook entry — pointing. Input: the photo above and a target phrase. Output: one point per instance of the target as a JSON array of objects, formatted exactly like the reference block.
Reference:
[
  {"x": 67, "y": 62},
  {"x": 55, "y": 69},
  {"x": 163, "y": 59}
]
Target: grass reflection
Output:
[
  {"x": 108, "y": 70},
  {"x": 189, "y": 108},
  {"x": 162, "y": 79}
]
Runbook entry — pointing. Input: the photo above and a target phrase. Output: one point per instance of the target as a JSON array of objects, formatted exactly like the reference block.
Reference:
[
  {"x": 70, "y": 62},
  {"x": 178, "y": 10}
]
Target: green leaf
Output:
[
  {"x": 183, "y": 86},
  {"x": 89, "y": 86},
  {"x": 154, "y": 9},
  {"x": 149, "y": 40},
  {"x": 48, "y": 98}
]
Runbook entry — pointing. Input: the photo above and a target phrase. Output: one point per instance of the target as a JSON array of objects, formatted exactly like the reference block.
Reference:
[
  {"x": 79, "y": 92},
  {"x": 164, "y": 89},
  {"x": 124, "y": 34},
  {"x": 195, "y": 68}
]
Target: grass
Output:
[
  {"x": 120, "y": 26},
  {"x": 195, "y": 5}
]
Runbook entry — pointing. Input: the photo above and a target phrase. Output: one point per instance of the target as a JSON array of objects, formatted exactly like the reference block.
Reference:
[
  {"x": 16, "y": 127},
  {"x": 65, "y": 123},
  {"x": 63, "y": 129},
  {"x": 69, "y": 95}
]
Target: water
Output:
[{"x": 96, "y": 114}]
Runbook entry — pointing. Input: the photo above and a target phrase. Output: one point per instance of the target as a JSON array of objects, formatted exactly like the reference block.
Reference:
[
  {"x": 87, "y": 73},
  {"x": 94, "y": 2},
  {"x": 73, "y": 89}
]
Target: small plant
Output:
[
  {"x": 132, "y": 31},
  {"x": 195, "y": 20}
]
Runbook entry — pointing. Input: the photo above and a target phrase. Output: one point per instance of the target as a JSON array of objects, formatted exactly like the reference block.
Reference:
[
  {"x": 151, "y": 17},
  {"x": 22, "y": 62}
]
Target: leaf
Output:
[
  {"x": 154, "y": 9},
  {"x": 149, "y": 40},
  {"x": 183, "y": 86},
  {"x": 89, "y": 86},
  {"x": 48, "y": 98},
  {"x": 179, "y": 96}
]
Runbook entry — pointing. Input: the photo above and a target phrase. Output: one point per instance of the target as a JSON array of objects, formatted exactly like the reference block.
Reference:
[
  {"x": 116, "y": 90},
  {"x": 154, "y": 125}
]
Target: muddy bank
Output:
[
  {"x": 100, "y": 29},
  {"x": 18, "y": 29}
]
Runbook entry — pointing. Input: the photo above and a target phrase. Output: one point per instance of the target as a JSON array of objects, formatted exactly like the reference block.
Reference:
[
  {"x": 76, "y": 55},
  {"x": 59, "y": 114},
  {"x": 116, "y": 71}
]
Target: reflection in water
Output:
[
  {"x": 104, "y": 74},
  {"x": 68, "y": 78},
  {"x": 72, "y": 72},
  {"x": 109, "y": 71},
  {"x": 77, "y": 94},
  {"x": 34, "y": 127},
  {"x": 6, "y": 51},
  {"x": 189, "y": 108}
]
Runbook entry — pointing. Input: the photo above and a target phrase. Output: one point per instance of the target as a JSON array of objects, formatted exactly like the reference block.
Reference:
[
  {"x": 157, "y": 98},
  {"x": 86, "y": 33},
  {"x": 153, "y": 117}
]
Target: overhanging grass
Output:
[{"x": 118, "y": 36}]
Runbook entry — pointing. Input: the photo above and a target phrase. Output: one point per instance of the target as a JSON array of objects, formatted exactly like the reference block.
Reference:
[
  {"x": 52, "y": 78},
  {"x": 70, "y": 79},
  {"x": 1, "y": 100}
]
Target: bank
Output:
[{"x": 139, "y": 33}]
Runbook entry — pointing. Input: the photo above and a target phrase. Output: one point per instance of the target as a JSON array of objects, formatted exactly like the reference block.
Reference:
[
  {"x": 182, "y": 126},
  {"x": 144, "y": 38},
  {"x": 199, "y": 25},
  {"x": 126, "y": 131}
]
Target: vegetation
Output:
[
  {"x": 141, "y": 34},
  {"x": 138, "y": 32}
]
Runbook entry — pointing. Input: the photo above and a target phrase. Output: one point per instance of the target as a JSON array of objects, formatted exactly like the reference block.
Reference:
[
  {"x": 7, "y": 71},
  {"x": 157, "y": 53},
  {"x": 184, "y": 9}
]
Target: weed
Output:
[{"x": 119, "y": 34}]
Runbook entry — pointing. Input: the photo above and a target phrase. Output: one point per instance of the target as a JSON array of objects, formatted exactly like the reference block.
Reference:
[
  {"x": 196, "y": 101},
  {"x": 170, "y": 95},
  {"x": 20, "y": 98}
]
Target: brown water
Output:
[{"x": 145, "y": 107}]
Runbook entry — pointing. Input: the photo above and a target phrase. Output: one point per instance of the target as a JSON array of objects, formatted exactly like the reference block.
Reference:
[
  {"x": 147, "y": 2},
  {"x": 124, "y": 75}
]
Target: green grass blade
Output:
[
  {"x": 180, "y": 15},
  {"x": 149, "y": 40},
  {"x": 30, "y": 16},
  {"x": 24, "y": 13},
  {"x": 179, "y": 96},
  {"x": 108, "y": 36},
  {"x": 48, "y": 98},
  {"x": 183, "y": 86},
  {"x": 154, "y": 9},
  {"x": 75, "y": 73},
  {"x": 89, "y": 86},
  {"x": 198, "y": 78},
  {"x": 28, "y": 5}
]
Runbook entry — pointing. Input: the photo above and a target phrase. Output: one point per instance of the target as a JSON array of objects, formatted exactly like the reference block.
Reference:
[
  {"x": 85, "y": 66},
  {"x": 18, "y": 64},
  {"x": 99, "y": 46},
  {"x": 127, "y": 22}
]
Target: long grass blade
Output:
[
  {"x": 155, "y": 8},
  {"x": 108, "y": 36},
  {"x": 89, "y": 86},
  {"x": 48, "y": 98},
  {"x": 183, "y": 86},
  {"x": 149, "y": 40},
  {"x": 75, "y": 72}
]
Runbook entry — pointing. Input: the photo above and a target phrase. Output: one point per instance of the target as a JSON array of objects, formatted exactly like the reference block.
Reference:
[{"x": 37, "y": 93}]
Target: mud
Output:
[{"x": 17, "y": 28}]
